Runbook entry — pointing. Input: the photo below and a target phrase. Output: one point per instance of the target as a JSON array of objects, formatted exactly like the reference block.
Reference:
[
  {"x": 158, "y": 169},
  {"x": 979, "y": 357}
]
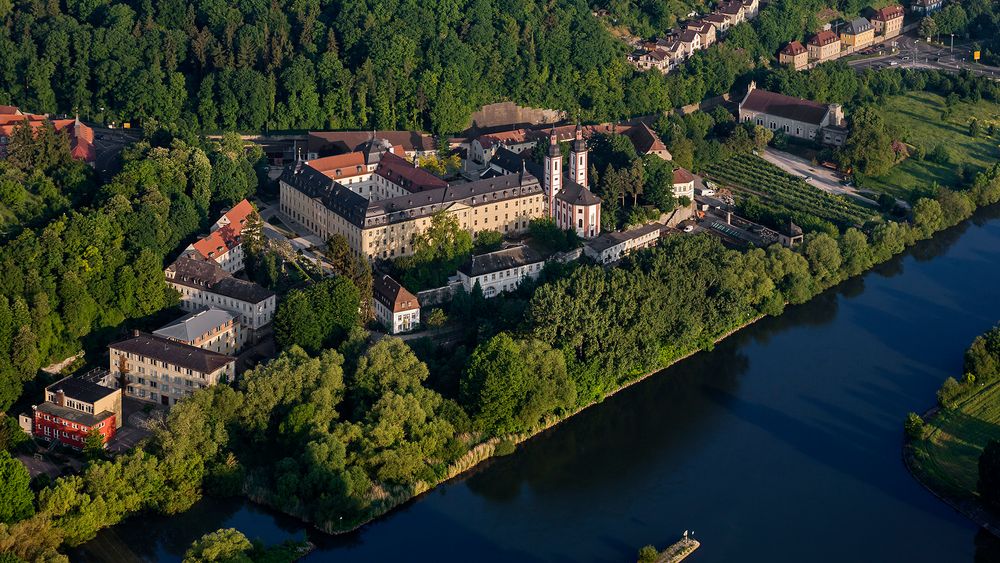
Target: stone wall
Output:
[{"x": 509, "y": 113}]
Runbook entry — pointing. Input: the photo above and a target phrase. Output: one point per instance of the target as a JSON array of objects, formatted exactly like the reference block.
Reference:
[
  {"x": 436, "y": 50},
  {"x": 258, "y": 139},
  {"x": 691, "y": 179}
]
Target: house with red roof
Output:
[
  {"x": 888, "y": 21},
  {"x": 222, "y": 244},
  {"x": 794, "y": 55},
  {"x": 81, "y": 136}
]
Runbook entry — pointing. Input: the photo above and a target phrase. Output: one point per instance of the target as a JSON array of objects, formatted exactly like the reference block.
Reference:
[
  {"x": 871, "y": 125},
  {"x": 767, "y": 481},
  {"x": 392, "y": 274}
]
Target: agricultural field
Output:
[
  {"x": 949, "y": 452},
  {"x": 922, "y": 119},
  {"x": 749, "y": 175}
]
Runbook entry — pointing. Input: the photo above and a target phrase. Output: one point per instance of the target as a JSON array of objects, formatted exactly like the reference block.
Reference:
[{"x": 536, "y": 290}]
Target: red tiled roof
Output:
[
  {"x": 888, "y": 13},
  {"x": 81, "y": 137},
  {"x": 644, "y": 139},
  {"x": 793, "y": 48},
  {"x": 688, "y": 36},
  {"x": 682, "y": 176},
  {"x": 9, "y": 110},
  {"x": 823, "y": 38},
  {"x": 394, "y": 296},
  {"x": 340, "y": 166},
  {"x": 227, "y": 236}
]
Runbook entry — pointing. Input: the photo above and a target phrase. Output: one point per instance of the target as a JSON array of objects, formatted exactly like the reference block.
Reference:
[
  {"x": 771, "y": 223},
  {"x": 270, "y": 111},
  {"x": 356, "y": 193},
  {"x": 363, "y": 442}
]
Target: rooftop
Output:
[
  {"x": 823, "y": 38},
  {"x": 174, "y": 353},
  {"x": 793, "y": 48},
  {"x": 888, "y": 13},
  {"x": 193, "y": 325},
  {"x": 500, "y": 260},
  {"x": 208, "y": 275},
  {"x": 80, "y": 389},
  {"x": 608, "y": 240},
  {"x": 73, "y": 415},
  {"x": 682, "y": 176},
  {"x": 404, "y": 173},
  {"x": 784, "y": 106},
  {"x": 394, "y": 296},
  {"x": 857, "y": 26}
]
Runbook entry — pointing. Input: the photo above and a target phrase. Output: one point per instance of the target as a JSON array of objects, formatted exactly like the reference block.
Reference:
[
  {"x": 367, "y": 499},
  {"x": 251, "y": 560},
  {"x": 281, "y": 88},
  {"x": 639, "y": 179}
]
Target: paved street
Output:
[
  {"x": 914, "y": 52},
  {"x": 823, "y": 178},
  {"x": 109, "y": 144}
]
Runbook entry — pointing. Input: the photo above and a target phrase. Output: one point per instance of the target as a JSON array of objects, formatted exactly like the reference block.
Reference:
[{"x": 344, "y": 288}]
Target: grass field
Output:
[
  {"x": 920, "y": 118},
  {"x": 954, "y": 440}
]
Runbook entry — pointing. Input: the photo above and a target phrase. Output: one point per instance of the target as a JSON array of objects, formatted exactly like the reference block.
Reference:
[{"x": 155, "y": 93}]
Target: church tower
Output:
[
  {"x": 552, "y": 183},
  {"x": 578, "y": 159}
]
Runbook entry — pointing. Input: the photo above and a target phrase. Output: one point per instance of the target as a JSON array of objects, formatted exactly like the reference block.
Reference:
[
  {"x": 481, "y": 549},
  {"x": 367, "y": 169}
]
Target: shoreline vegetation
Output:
[
  {"x": 947, "y": 210},
  {"x": 943, "y": 448},
  {"x": 340, "y": 439}
]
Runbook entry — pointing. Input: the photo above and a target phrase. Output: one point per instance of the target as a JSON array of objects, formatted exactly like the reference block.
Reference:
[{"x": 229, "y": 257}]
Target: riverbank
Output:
[{"x": 944, "y": 460}]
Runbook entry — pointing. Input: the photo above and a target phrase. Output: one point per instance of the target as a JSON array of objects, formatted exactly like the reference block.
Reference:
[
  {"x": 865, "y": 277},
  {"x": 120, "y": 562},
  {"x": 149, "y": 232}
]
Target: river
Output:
[{"x": 782, "y": 444}]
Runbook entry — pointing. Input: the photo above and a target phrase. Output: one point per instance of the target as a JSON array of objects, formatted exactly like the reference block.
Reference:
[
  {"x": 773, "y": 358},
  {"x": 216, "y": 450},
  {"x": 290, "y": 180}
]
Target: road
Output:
[
  {"x": 823, "y": 178},
  {"x": 109, "y": 144},
  {"x": 910, "y": 51}
]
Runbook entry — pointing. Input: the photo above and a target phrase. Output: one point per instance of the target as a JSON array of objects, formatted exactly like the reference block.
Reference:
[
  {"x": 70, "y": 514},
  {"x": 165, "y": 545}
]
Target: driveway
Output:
[{"x": 822, "y": 178}]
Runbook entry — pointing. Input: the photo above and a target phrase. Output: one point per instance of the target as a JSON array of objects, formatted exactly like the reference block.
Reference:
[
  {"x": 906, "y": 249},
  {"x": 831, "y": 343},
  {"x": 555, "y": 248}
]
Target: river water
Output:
[{"x": 782, "y": 444}]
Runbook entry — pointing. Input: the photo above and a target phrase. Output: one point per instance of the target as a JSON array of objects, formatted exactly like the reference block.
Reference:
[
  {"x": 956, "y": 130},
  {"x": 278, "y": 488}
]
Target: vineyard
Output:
[{"x": 781, "y": 191}]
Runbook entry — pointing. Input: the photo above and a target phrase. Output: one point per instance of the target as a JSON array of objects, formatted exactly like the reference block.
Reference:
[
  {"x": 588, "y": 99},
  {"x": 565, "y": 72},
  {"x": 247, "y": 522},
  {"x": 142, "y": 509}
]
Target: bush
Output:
[
  {"x": 504, "y": 447},
  {"x": 940, "y": 155},
  {"x": 914, "y": 426},
  {"x": 949, "y": 393},
  {"x": 648, "y": 554}
]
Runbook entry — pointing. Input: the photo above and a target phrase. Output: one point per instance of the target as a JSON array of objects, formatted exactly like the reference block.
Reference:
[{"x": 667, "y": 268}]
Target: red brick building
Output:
[{"x": 73, "y": 407}]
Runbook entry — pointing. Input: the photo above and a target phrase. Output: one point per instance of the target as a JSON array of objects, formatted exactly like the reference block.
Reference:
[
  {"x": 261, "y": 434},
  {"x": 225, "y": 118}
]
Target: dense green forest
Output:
[
  {"x": 91, "y": 268},
  {"x": 252, "y": 65}
]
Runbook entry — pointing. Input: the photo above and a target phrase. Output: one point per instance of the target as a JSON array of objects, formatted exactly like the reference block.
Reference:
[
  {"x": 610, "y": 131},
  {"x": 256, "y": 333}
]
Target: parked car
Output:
[
  {"x": 688, "y": 228},
  {"x": 707, "y": 191}
]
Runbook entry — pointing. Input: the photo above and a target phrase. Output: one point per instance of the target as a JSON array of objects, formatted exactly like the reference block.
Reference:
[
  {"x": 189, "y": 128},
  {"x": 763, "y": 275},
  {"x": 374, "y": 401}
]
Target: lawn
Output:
[
  {"x": 954, "y": 440},
  {"x": 920, "y": 117}
]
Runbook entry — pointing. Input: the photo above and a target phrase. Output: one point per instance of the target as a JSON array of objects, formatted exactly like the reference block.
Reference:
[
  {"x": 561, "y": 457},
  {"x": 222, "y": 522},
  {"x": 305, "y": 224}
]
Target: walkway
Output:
[{"x": 815, "y": 175}]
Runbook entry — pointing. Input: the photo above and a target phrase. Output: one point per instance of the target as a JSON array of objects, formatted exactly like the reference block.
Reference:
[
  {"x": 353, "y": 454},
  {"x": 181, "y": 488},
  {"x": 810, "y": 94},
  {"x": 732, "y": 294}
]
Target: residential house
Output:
[
  {"x": 611, "y": 247},
  {"x": 203, "y": 285},
  {"x": 690, "y": 41},
  {"x": 733, "y": 11},
  {"x": 501, "y": 270},
  {"x": 223, "y": 243},
  {"x": 705, "y": 30},
  {"x": 804, "y": 119},
  {"x": 823, "y": 46},
  {"x": 683, "y": 184},
  {"x": 719, "y": 22},
  {"x": 751, "y": 8},
  {"x": 395, "y": 307},
  {"x": 164, "y": 371},
  {"x": 926, "y": 7},
  {"x": 794, "y": 55},
  {"x": 73, "y": 408},
  {"x": 857, "y": 34},
  {"x": 212, "y": 329},
  {"x": 888, "y": 21}
]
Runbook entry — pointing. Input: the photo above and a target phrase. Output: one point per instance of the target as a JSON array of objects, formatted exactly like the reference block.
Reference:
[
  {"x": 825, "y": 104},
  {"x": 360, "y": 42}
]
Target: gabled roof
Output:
[
  {"x": 403, "y": 173},
  {"x": 787, "y": 107},
  {"x": 174, "y": 353},
  {"x": 644, "y": 139},
  {"x": 9, "y": 110},
  {"x": 500, "y": 260},
  {"x": 194, "y": 325},
  {"x": 823, "y": 38},
  {"x": 793, "y": 48},
  {"x": 393, "y": 296},
  {"x": 340, "y": 166},
  {"x": 688, "y": 36}
]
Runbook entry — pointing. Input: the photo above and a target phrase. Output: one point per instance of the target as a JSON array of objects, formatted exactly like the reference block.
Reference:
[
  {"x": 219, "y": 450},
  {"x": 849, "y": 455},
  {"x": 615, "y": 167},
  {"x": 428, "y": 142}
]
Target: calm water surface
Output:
[{"x": 782, "y": 444}]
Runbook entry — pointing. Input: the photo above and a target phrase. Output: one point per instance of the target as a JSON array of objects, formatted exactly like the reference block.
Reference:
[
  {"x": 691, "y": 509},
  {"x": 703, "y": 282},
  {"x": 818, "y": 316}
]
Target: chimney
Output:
[
  {"x": 61, "y": 398},
  {"x": 729, "y": 217},
  {"x": 135, "y": 332},
  {"x": 752, "y": 86}
]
